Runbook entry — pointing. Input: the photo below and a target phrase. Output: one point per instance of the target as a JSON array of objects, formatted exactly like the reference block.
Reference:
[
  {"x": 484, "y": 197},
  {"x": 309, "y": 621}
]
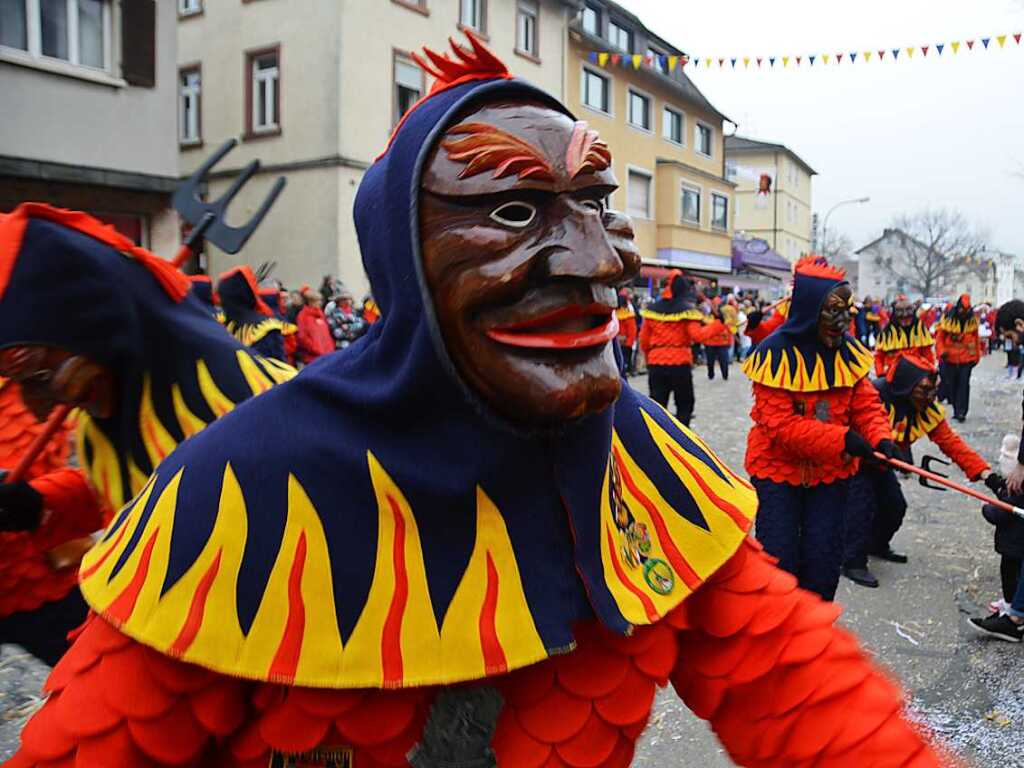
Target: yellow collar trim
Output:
[
  {"x": 761, "y": 368},
  {"x": 689, "y": 314},
  {"x": 250, "y": 333},
  {"x": 895, "y": 338},
  {"x": 954, "y": 325},
  {"x": 625, "y": 313},
  {"x": 912, "y": 428}
]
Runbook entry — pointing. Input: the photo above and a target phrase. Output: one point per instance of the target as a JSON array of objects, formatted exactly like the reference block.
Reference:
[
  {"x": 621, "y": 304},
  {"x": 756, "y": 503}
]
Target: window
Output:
[
  {"x": 638, "y": 194},
  {"x": 702, "y": 136},
  {"x": 408, "y": 86},
  {"x": 592, "y": 20},
  {"x": 672, "y": 125},
  {"x": 472, "y": 13},
  {"x": 691, "y": 204},
  {"x": 190, "y": 83},
  {"x": 719, "y": 211},
  {"x": 658, "y": 60},
  {"x": 731, "y": 171},
  {"x": 620, "y": 37},
  {"x": 265, "y": 92},
  {"x": 639, "y": 110},
  {"x": 596, "y": 91},
  {"x": 75, "y": 31},
  {"x": 189, "y": 7},
  {"x": 526, "y": 27}
]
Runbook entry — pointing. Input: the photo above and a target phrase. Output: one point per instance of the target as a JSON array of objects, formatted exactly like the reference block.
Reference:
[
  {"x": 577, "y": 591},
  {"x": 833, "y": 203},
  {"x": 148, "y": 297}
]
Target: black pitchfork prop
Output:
[{"x": 207, "y": 218}]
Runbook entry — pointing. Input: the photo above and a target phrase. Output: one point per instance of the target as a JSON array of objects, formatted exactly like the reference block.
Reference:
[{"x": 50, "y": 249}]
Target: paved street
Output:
[{"x": 970, "y": 690}]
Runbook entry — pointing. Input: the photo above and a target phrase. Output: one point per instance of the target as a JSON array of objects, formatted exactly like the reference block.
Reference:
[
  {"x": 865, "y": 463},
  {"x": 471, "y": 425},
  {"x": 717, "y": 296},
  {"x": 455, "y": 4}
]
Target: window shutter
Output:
[{"x": 138, "y": 42}]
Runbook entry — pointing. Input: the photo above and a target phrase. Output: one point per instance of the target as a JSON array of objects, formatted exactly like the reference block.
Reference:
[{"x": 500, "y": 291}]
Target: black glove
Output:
[
  {"x": 996, "y": 483},
  {"x": 888, "y": 447},
  {"x": 855, "y": 445},
  {"x": 754, "y": 319},
  {"x": 21, "y": 506}
]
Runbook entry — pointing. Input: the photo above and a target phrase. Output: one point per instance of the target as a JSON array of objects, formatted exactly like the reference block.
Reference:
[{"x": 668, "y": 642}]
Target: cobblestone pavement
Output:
[{"x": 969, "y": 690}]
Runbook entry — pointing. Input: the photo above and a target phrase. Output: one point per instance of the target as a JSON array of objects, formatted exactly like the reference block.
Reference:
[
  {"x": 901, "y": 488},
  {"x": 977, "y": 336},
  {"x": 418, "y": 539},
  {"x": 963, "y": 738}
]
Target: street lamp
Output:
[{"x": 824, "y": 225}]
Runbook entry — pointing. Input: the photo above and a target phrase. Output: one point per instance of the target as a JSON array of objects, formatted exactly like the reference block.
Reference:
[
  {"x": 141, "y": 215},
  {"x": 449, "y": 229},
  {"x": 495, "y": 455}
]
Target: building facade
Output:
[
  {"x": 314, "y": 88},
  {"x": 773, "y": 194},
  {"x": 665, "y": 137},
  {"x": 89, "y": 111}
]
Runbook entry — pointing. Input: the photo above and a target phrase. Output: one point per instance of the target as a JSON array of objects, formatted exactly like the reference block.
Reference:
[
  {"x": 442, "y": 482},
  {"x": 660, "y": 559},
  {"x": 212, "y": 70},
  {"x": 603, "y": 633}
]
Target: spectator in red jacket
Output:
[
  {"x": 627, "y": 331},
  {"x": 815, "y": 416},
  {"x": 314, "y": 334},
  {"x": 877, "y": 504}
]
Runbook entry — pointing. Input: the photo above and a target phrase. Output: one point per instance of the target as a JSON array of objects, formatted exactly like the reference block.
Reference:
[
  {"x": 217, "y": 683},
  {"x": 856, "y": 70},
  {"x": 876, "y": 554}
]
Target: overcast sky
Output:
[{"x": 930, "y": 131}]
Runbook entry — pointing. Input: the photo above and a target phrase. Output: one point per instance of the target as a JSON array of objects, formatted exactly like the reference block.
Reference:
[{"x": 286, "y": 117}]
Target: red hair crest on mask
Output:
[
  {"x": 813, "y": 265},
  {"x": 475, "y": 63}
]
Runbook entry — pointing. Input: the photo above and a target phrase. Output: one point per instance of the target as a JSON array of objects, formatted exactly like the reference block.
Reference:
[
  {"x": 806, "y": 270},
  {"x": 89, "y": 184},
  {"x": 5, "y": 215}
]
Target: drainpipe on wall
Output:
[{"x": 775, "y": 208}]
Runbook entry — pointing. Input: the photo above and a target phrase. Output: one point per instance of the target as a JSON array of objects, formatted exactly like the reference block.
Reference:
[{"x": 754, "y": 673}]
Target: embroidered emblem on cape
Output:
[
  {"x": 822, "y": 411},
  {"x": 896, "y": 337},
  {"x": 321, "y": 757},
  {"x": 793, "y": 370}
]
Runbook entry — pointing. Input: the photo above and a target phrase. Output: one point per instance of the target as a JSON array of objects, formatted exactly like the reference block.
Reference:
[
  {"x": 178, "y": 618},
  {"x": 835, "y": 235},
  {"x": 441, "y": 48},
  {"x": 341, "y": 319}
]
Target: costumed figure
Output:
[
  {"x": 626, "y": 316},
  {"x": 906, "y": 334},
  {"x": 876, "y": 505},
  {"x": 959, "y": 349},
  {"x": 202, "y": 289},
  {"x": 43, "y": 519},
  {"x": 718, "y": 341},
  {"x": 144, "y": 360},
  {"x": 247, "y": 316},
  {"x": 274, "y": 297},
  {"x": 815, "y": 416},
  {"x": 671, "y": 326},
  {"x": 760, "y": 325},
  {"x": 494, "y": 552}
]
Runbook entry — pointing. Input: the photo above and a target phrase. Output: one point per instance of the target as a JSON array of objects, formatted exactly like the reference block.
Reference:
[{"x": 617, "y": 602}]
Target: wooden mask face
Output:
[
  {"x": 522, "y": 260},
  {"x": 48, "y": 376},
  {"x": 834, "y": 319}
]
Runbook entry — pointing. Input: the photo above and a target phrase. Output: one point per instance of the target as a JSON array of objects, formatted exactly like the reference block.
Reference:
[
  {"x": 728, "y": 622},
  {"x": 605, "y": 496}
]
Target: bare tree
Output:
[
  {"x": 937, "y": 246},
  {"x": 835, "y": 246}
]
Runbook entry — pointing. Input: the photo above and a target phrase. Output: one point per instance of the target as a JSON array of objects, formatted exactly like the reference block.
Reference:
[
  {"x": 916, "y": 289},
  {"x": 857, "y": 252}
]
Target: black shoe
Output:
[
  {"x": 961, "y": 419},
  {"x": 892, "y": 557},
  {"x": 861, "y": 576},
  {"x": 998, "y": 626}
]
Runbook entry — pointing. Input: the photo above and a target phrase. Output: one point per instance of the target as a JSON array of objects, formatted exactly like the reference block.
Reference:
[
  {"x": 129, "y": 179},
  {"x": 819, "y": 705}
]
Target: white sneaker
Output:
[{"x": 999, "y": 606}]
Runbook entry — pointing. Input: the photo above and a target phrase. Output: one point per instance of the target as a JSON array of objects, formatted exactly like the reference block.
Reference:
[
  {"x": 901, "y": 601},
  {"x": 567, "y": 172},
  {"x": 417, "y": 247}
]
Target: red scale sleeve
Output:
[
  {"x": 951, "y": 444},
  {"x": 867, "y": 415},
  {"x": 74, "y": 507},
  {"x": 782, "y": 686}
]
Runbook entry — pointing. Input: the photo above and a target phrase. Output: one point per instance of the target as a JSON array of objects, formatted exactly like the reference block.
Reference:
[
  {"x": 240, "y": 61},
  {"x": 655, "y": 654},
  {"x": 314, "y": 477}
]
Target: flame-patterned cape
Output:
[
  {"x": 372, "y": 523},
  {"x": 894, "y": 337},
  {"x": 908, "y": 425},
  {"x": 792, "y": 358},
  {"x": 69, "y": 281},
  {"x": 247, "y": 316}
]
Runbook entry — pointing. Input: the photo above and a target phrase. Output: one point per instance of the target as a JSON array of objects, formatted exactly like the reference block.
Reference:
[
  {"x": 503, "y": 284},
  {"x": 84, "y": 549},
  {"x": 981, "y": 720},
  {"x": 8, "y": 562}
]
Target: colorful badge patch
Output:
[
  {"x": 321, "y": 757},
  {"x": 635, "y": 539}
]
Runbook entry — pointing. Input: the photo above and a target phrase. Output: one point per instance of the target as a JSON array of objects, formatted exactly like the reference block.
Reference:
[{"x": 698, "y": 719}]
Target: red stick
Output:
[
  {"x": 182, "y": 256},
  {"x": 951, "y": 484},
  {"x": 32, "y": 453}
]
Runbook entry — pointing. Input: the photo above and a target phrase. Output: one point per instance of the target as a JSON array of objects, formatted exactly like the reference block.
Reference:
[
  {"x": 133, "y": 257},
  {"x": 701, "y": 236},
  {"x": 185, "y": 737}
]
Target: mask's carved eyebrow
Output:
[
  {"x": 488, "y": 148},
  {"x": 586, "y": 152}
]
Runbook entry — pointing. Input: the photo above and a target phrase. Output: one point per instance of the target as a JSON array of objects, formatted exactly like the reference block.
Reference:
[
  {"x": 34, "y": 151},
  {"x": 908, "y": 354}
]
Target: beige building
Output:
[
  {"x": 664, "y": 135},
  {"x": 773, "y": 194},
  {"x": 89, "y": 117},
  {"x": 313, "y": 88}
]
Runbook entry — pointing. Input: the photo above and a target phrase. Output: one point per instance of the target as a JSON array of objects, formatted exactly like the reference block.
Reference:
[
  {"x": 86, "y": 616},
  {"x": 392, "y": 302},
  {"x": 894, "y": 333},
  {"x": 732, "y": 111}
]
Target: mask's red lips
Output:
[{"x": 544, "y": 332}]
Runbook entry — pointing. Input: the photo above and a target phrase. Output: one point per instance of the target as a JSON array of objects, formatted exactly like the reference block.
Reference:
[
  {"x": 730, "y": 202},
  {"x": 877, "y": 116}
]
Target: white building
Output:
[
  {"x": 89, "y": 111},
  {"x": 313, "y": 88}
]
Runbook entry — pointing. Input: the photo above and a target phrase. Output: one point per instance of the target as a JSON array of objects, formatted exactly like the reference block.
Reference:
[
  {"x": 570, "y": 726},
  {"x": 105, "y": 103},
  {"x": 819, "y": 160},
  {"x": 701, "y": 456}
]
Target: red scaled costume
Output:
[
  {"x": 447, "y": 570},
  {"x": 31, "y": 574}
]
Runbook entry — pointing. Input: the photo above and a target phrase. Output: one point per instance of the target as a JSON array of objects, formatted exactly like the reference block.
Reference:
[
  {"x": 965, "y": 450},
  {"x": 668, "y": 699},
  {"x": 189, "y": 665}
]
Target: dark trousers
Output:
[
  {"x": 721, "y": 356},
  {"x": 665, "y": 380},
  {"x": 44, "y": 631},
  {"x": 627, "y": 359},
  {"x": 875, "y": 508},
  {"x": 958, "y": 392},
  {"x": 1009, "y": 575},
  {"x": 803, "y": 528}
]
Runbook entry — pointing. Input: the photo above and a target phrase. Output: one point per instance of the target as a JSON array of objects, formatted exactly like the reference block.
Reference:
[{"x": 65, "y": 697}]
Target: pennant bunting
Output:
[
  {"x": 939, "y": 47},
  {"x": 593, "y": 56},
  {"x": 707, "y": 63},
  {"x": 759, "y": 61},
  {"x": 696, "y": 63},
  {"x": 955, "y": 45},
  {"x": 1001, "y": 39},
  {"x": 853, "y": 57},
  {"x": 616, "y": 58},
  {"x": 924, "y": 49},
  {"x": 867, "y": 55},
  {"x": 881, "y": 55},
  {"x": 785, "y": 61},
  {"x": 672, "y": 62},
  {"x": 733, "y": 62},
  {"x": 798, "y": 58},
  {"x": 637, "y": 60},
  {"x": 824, "y": 58},
  {"x": 602, "y": 59},
  {"x": 811, "y": 59},
  {"x": 683, "y": 61},
  {"x": 970, "y": 45},
  {"x": 746, "y": 61},
  {"x": 895, "y": 53},
  {"x": 839, "y": 58},
  {"x": 771, "y": 61},
  {"x": 910, "y": 52},
  {"x": 721, "y": 63},
  {"x": 985, "y": 41},
  {"x": 1016, "y": 37}
]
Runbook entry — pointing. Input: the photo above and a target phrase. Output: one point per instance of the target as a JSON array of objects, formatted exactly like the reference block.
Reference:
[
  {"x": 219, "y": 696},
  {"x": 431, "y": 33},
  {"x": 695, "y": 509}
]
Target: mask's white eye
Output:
[
  {"x": 594, "y": 205},
  {"x": 514, "y": 214}
]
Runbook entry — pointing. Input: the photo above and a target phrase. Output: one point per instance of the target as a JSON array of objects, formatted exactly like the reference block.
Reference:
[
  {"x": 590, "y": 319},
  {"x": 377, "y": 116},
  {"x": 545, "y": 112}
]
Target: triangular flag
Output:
[
  {"x": 759, "y": 61},
  {"x": 696, "y": 62},
  {"x": 733, "y": 62},
  {"x": 853, "y": 56},
  {"x": 602, "y": 59},
  {"x": 824, "y": 57},
  {"x": 1016, "y": 37},
  {"x": 939, "y": 47},
  {"x": 707, "y": 63},
  {"x": 910, "y": 52},
  {"x": 839, "y": 58},
  {"x": 811, "y": 59},
  {"x": 1001, "y": 40},
  {"x": 649, "y": 60},
  {"x": 881, "y": 55},
  {"x": 746, "y": 61},
  {"x": 798, "y": 58},
  {"x": 637, "y": 60},
  {"x": 616, "y": 58},
  {"x": 955, "y": 45},
  {"x": 970, "y": 45},
  {"x": 721, "y": 63},
  {"x": 984, "y": 41},
  {"x": 895, "y": 53},
  {"x": 672, "y": 61},
  {"x": 684, "y": 60},
  {"x": 592, "y": 56},
  {"x": 771, "y": 61},
  {"x": 785, "y": 61},
  {"x": 867, "y": 55},
  {"x": 924, "y": 49}
]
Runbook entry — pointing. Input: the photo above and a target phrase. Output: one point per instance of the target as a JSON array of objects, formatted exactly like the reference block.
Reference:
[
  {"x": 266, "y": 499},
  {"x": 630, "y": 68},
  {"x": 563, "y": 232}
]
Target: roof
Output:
[
  {"x": 890, "y": 231},
  {"x": 744, "y": 144},
  {"x": 756, "y": 252},
  {"x": 678, "y": 81}
]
